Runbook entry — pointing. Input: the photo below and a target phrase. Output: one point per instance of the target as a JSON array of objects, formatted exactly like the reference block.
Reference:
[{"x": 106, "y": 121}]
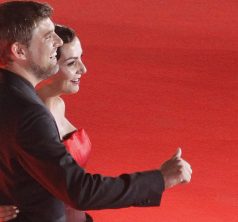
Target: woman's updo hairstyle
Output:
[{"x": 66, "y": 34}]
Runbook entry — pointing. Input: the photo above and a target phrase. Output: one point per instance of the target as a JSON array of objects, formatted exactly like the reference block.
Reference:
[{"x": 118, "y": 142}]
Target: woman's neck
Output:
[{"x": 48, "y": 91}]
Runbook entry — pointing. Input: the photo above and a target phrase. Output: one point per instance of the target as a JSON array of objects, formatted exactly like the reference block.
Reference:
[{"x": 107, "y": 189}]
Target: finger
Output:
[
  {"x": 186, "y": 177},
  {"x": 8, "y": 213},
  {"x": 7, "y": 208},
  {"x": 187, "y": 166},
  {"x": 190, "y": 170},
  {"x": 184, "y": 172},
  {"x": 9, "y": 217},
  {"x": 177, "y": 154}
]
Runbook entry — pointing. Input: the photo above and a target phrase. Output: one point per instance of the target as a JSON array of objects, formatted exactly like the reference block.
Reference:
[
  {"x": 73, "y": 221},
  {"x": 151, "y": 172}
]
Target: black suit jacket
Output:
[{"x": 39, "y": 176}]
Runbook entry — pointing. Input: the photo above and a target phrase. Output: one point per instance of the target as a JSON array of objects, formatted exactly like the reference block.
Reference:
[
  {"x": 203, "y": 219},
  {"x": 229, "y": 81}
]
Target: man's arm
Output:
[{"x": 46, "y": 160}]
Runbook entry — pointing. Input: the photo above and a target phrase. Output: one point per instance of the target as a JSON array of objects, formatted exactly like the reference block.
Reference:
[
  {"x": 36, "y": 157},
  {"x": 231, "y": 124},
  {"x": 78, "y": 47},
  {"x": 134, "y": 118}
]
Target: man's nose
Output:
[{"x": 57, "y": 41}]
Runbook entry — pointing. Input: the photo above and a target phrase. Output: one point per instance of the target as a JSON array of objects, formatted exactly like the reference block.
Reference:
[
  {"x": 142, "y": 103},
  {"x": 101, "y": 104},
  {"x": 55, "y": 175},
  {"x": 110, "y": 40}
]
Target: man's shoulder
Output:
[
  {"x": 13, "y": 101},
  {"x": 15, "y": 88},
  {"x": 19, "y": 107}
]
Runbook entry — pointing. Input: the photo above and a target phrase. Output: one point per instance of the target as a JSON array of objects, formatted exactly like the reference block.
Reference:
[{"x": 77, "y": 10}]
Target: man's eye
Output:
[{"x": 49, "y": 37}]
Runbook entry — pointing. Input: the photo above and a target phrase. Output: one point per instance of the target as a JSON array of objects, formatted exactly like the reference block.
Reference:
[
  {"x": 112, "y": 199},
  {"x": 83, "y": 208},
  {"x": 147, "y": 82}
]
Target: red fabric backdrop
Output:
[{"x": 161, "y": 74}]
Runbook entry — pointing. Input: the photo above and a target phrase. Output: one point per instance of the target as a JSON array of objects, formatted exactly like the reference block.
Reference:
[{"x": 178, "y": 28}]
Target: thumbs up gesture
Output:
[
  {"x": 176, "y": 170},
  {"x": 178, "y": 153}
]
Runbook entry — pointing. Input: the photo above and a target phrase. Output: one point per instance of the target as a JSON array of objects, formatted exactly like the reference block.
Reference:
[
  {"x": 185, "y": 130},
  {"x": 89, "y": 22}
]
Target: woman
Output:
[{"x": 66, "y": 81}]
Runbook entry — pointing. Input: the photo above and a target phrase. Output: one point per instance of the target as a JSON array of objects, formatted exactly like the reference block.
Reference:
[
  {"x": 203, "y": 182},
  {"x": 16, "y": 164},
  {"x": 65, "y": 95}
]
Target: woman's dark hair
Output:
[
  {"x": 66, "y": 34},
  {"x": 17, "y": 22}
]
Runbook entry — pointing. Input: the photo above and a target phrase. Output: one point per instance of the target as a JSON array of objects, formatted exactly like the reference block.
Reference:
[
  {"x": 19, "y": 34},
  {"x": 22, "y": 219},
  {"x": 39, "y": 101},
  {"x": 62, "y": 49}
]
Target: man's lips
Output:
[{"x": 53, "y": 56}]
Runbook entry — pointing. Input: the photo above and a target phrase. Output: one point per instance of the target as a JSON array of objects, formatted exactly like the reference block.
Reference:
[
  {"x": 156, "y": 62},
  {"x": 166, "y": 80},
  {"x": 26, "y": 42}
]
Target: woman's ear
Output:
[{"x": 18, "y": 51}]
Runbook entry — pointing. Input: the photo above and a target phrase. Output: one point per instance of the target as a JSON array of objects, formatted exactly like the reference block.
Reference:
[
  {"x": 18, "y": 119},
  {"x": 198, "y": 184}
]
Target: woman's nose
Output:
[{"x": 81, "y": 68}]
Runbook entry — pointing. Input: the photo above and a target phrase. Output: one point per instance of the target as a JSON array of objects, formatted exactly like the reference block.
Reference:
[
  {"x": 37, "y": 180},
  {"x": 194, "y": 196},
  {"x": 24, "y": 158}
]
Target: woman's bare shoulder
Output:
[
  {"x": 59, "y": 102},
  {"x": 55, "y": 104}
]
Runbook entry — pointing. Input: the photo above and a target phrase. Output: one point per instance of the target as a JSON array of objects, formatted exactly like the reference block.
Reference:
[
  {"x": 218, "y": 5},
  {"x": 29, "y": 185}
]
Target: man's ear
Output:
[{"x": 18, "y": 51}]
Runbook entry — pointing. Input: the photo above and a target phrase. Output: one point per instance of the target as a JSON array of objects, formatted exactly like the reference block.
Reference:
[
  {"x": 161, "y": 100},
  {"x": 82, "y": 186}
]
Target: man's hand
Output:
[{"x": 176, "y": 170}]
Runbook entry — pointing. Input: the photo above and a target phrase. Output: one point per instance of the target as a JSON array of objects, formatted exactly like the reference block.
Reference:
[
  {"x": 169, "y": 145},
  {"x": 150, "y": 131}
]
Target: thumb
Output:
[{"x": 178, "y": 153}]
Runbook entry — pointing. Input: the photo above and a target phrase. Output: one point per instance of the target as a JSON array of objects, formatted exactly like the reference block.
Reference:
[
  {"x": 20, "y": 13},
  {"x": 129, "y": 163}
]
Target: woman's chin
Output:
[{"x": 72, "y": 90}]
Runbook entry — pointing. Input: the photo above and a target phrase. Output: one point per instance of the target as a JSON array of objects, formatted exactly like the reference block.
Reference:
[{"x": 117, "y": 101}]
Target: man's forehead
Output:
[{"x": 44, "y": 26}]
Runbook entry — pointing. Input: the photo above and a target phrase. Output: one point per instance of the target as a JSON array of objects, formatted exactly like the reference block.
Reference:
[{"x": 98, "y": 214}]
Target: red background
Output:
[{"x": 161, "y": 74}]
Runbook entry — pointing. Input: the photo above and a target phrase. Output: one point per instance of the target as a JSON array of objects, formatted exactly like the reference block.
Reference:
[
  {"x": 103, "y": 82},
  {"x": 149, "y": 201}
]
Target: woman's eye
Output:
[{"x": 71, "y": 63}]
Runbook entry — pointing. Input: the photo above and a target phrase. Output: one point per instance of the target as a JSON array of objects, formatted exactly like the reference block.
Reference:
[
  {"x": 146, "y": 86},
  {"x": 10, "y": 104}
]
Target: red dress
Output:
[{"x": 78, "y": 145}]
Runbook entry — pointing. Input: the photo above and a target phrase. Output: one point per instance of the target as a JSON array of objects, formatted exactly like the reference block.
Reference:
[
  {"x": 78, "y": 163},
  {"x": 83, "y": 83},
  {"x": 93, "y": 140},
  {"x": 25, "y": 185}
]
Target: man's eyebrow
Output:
[{"x": 47, "y": 33}]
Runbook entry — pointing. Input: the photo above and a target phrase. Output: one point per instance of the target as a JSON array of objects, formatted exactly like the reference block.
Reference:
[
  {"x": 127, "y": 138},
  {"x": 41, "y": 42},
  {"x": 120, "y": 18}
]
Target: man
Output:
[{"x": 36, "y": 172}]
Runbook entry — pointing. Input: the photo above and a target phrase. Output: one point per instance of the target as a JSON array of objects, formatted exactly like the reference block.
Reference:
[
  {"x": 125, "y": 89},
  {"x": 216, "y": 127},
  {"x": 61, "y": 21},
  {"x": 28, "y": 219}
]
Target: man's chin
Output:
[{"x": 51, "y": 71}]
